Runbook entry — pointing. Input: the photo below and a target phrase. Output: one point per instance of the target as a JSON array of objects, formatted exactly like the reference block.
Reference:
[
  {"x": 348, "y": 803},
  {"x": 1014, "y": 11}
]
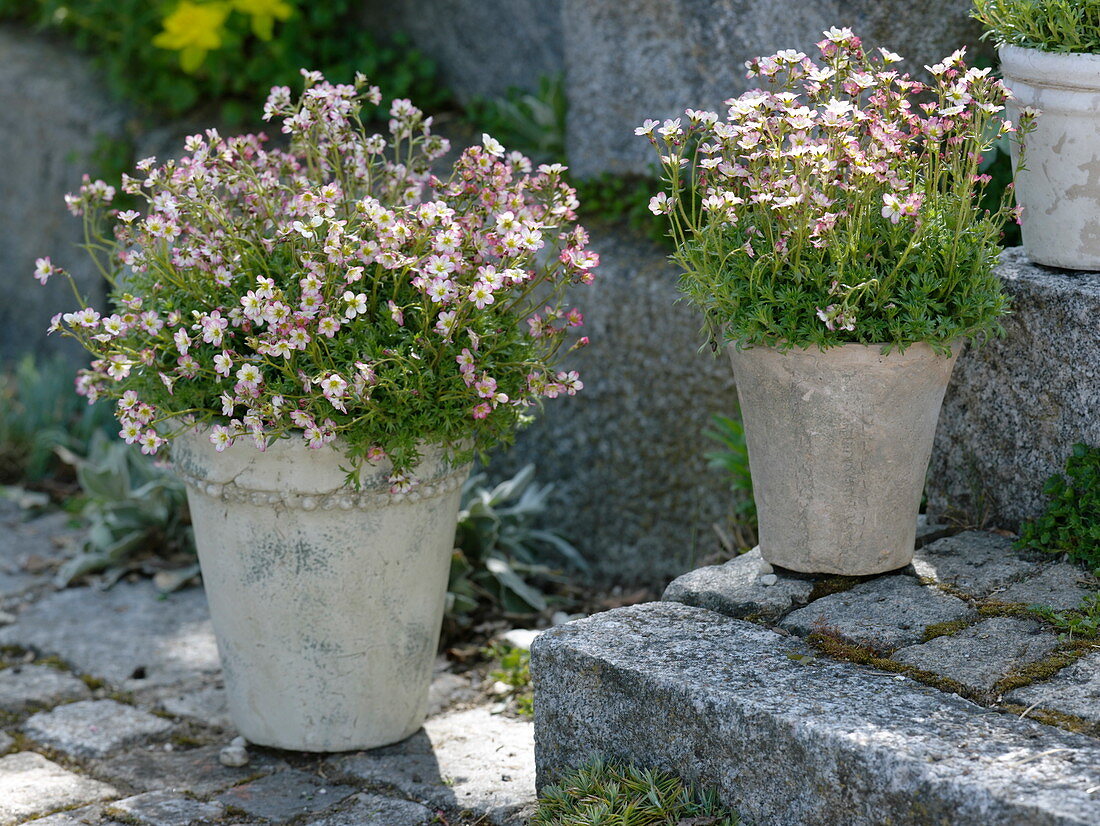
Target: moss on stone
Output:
[
  {"x": 1053, "y": 718},
  {"x": 830, "y": 644},
  {"x": 834, "y": 585},
  {"x": 945, "y": 629},
  {"x": 1042, "y": 669}
]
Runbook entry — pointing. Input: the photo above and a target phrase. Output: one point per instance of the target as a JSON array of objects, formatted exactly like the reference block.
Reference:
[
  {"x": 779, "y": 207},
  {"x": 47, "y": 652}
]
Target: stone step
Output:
[
  {"x": 786, "y": 737},
  {"x": 1016, "y": 405}
]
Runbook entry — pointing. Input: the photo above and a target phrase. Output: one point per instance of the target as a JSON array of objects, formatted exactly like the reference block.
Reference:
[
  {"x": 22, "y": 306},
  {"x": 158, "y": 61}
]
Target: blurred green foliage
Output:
[
  {"x": 1071, "y": 522},
  {"x": 531, "y": 122},
  {"x": 132, "y": 509},
  {"x": 39, "y": 412},
  {"x": 500, "y": 555},
  {"x": 513, "y": 669},
  {"x": 328, "y": 36}
]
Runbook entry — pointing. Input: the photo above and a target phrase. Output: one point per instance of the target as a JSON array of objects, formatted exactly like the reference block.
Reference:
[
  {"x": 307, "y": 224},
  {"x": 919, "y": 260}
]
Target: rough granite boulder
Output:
[
  {"x": 788, "y": 740},
  {"x": 1017, "y": 405},
  {"x": 55, "y": 113},
  {"x": 628, "y": 60}
]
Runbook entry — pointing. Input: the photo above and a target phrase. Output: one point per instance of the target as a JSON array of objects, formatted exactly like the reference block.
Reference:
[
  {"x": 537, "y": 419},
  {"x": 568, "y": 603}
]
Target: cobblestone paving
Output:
[
  {"x": 112, "y": 712},
  {"x": 961, "y": 617}
]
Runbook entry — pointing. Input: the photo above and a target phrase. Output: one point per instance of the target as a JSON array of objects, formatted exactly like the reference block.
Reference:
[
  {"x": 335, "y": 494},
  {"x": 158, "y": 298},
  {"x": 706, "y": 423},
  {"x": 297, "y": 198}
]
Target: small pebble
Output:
[
  {"x": 233, "y": 756},
  {"x": 521, "y": 638},
  {"x": 500, "y": 688},
  {"x": 6, "y": 618},
  {"x": 240, "y": 742},
  {"x": 766, "y": 567},
  {"x": 559, "y": 618},
  {"x": 769, "y": 579}
]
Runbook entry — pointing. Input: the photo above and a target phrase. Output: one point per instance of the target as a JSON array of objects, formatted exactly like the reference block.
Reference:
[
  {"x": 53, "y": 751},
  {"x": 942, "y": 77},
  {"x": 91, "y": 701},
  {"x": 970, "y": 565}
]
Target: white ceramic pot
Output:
[
  {"x": 1059, "y": 187},
  {"x": 326, "y": 602},
  {"x": 839, "y": 443}
]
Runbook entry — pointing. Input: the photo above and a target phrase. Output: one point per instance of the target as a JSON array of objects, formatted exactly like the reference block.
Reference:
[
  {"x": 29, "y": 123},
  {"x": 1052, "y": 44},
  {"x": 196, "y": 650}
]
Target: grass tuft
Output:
[{"x": 609, "y": 794}]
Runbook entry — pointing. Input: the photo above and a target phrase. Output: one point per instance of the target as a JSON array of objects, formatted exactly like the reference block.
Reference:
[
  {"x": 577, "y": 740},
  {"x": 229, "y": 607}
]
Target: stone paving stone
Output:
[
  {"x": 207, "y": 704},
  {"x": 196, "y": 770},
  {"x": 884, "y": 613},
  {"x": 448, "y": 689},
  {"x": 25, "y": 541},
  {"x": 976, "y": 562},
  {"x": 981, "y": 655},
  {"x": 286, "y": 795},
  {"x": 25, "y": 685},
  {"x": 164, "y": 809},
  {"x": 1074, "y": 690},
  {"x": 375, "y": 810},
  {"x": 84, "y": 816},
  {"x": 786, "y": 742},
  {"x": 121, "y": 632},
  {"x": 31, "y": 785},
  {"x": 929, "y": 532},
  {"x": 463, "y": 760},
  {"x": 94, "y": 728},
  {"x": 1060, "y": 586},
  {"x": 734, "y": 589}
]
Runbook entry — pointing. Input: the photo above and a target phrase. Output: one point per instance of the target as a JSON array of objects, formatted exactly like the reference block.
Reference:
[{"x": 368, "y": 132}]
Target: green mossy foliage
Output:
[
  {"x": 1071, "y": 523},
  {"x": 606, "y": 794},
  {"x": 327, "y": 36},
  {"x": 1047, "y": 25}
]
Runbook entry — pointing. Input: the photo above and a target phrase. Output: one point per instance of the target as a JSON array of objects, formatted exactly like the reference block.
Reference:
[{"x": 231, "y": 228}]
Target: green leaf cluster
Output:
[
  {"x": 732, "y": 457},
  {"x": 327, "y": 36},
  {"x": 39, "y": 412},
  {"x": 514, "y": 670},
  {"x": 1047, "y": 25},
  {"x": 532, "y": 122},
  {"x": 1071, "y": 522},
  {"x": 936, "y": 288},
  {"x": 500, "y": 555},
  {"x": 132, "y": 508},
  {"x": 1082, "y": 622},
  {"x": 607, "y": 794}
]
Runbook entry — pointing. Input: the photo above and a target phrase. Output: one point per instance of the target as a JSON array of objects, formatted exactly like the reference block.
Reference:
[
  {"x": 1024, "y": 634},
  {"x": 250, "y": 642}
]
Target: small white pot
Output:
[
  {"x": 326, "y": 602},
  {"x": 1060, "y": 186},
  {"x": 839, "y": 442}
]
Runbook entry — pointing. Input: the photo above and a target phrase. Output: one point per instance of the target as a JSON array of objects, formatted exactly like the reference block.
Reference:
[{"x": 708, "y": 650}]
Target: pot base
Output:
[
  {"x": 326, "y": 603},
  {"x": 839, "y": 442}
]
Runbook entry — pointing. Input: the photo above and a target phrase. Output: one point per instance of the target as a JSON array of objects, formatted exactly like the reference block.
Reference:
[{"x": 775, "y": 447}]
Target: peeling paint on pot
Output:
[
  {"x": 1059, "y": 187},
  {"x": 326, "y": 602},
  {"x": 839, "y": 442}
]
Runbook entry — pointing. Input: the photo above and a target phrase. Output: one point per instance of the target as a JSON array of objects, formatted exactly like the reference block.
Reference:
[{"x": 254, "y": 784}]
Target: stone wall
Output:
[
  {"x": 54, "y": 112},
  {"x": 482, "y": 47},
  {"x": 628, "y": 60},
  {"x": 627, "y": 453},
  {"x": 1017, "y": 405}
]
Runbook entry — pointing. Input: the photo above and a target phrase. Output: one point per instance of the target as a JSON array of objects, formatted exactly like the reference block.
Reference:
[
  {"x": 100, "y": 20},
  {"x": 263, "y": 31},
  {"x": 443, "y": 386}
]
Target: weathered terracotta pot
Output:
[
  {"x": 326, "y": 602},
  {"x": 839, "y": 443},
  {"x": 1059, "y": 187}
]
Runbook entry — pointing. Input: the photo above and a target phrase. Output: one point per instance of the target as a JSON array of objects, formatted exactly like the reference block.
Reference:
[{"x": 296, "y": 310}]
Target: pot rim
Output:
[
  {"x": 1061, "y": 70},
  {"x": 242, "y": 470},
  {"x": 923, "y": 348}
]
